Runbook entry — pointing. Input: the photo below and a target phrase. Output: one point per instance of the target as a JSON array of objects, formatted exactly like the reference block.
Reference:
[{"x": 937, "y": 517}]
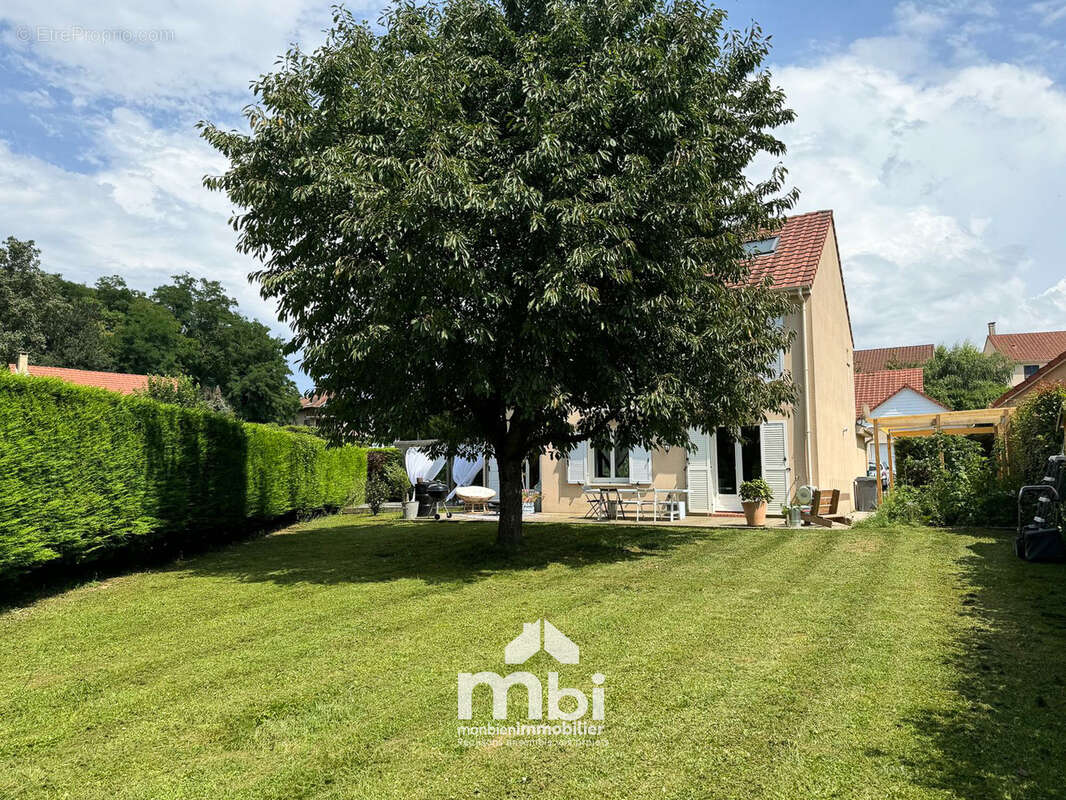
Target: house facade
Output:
[
  {"x": 311, "y": 410},
  {"x": 1053, "y": 372},
  {"x": 813, "y": 443},
  {"x": 1028, "y": 351},
  {"x": 890, "y": 393}
]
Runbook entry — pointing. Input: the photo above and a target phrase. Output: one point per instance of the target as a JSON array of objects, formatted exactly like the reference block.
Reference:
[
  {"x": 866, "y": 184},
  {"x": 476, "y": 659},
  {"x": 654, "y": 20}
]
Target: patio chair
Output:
[
  {"x": 669, "y": 506},
  {"x": 597, "y": 503},
  {"x": 622, "y": 501}
]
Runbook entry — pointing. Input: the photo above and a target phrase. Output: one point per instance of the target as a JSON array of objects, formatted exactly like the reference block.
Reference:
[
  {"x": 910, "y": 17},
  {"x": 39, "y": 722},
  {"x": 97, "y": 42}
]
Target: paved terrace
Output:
[{"x": 720, "y": 520}]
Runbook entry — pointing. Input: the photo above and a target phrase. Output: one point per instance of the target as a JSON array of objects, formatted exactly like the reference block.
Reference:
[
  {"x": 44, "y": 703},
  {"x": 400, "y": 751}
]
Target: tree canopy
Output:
[
  {"x": 962, "y": 377},
  {"x": 519, "y": 225},
  {"x": 189, "y": 327}
]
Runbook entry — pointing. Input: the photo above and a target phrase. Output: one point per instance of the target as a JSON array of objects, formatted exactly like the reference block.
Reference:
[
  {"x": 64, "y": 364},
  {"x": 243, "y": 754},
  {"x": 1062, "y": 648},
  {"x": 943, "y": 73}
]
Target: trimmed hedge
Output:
[{"x": 86, "y": 473}]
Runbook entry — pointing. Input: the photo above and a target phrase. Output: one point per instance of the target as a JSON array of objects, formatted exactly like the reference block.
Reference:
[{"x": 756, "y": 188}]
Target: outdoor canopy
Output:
[{"x": 421, "y": 466}]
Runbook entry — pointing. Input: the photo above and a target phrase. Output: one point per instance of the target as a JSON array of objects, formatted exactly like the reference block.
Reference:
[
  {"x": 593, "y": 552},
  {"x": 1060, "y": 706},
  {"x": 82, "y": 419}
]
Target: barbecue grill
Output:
[{"x": 437, "y": 492}]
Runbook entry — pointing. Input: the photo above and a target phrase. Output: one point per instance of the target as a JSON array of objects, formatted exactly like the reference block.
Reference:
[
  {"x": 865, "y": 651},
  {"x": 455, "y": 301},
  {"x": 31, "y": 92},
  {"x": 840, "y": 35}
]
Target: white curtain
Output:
[
  {"x": 464, "y": 470},
  {"x": 419, "y": 465}
]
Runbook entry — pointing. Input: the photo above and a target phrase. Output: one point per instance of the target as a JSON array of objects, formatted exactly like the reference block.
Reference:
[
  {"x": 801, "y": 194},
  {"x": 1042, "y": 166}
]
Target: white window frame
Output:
[{"x": 614, "y": 476}]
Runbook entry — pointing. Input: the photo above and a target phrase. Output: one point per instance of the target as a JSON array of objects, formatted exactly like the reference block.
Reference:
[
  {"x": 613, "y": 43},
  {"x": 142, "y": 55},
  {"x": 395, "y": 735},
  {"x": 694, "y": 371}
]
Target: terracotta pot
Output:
[{"x": 755, "y": 512}]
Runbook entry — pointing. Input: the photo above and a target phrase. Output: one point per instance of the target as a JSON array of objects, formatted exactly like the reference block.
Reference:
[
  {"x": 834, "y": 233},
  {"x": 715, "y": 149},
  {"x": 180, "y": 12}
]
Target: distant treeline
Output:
[{"x": 187, "y": 327}]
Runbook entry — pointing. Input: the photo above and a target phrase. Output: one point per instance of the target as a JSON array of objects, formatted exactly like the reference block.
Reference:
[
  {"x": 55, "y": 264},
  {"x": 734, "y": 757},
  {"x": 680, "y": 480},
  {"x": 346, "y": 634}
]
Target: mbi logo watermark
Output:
[{"x": 565, "y": 722}]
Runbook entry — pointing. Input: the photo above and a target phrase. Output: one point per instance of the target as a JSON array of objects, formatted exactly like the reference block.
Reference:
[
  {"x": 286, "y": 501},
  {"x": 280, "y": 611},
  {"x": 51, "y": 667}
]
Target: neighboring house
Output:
[
  {"x": 880, "y": 358},
  {"x": 1053, "y": 371},
  {"x": 814, "y": 443},
  {"x": 1028, "y": 351},
  {"x": 311, "y": 409},
  {"x": 121, "y": 382},
  {"x": 890, "y": 393}
]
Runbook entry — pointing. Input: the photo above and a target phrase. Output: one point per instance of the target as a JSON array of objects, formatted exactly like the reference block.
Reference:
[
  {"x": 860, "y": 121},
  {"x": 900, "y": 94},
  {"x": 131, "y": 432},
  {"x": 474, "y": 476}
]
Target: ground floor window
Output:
[{"x": 612, "y": 463}]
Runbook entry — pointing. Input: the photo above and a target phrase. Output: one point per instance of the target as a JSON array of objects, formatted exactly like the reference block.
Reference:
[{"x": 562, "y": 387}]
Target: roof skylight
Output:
[{"x": 760, "y": 247}]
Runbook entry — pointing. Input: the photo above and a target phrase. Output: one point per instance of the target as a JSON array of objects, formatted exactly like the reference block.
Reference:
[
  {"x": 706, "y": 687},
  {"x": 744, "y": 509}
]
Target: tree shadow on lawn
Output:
[
  {"x": 430, "y": 551},
  {"x": 1009, "y": 740}
]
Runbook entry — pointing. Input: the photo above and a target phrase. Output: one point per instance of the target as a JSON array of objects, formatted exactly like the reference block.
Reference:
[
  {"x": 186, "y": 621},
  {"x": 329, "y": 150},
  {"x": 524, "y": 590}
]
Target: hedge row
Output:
[{"x": 86, "y": 473}]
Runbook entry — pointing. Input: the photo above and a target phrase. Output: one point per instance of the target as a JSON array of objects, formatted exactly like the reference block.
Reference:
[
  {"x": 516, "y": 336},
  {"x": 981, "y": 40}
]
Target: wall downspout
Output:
[{"x": 806, "y": 387}]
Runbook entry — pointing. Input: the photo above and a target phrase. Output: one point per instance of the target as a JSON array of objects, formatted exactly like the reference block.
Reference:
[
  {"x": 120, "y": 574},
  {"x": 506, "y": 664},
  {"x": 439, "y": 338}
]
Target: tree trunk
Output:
[{"x": 509, "y": 532}]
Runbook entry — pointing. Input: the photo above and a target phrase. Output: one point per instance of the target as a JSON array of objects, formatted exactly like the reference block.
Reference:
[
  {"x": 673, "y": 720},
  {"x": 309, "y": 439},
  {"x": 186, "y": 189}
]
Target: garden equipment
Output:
[
  {"x": 1041, "y": 538},
  {"x": 436, "y": 492}
]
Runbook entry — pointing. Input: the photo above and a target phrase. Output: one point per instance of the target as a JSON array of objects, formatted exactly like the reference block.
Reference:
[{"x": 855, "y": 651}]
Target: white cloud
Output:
[
  {"x": 1049, "y": 12},
  {"x": 165, "y": 55},
  {"x": 946, "y": 183},
  {"x": 146, "y": 218}
]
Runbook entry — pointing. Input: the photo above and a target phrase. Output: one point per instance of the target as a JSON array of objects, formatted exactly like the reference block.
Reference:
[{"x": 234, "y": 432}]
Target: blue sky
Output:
[{"x": 936, "y": 131}]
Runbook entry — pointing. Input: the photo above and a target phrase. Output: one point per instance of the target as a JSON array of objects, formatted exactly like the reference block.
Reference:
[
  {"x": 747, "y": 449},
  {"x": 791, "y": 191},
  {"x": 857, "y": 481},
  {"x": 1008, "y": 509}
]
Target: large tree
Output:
[
  {"x": 962, "y": 377},
  {"x": 229, "y": 351},
  {"x": 520, "y": 224},
  {"x": 56, "y": 322}
]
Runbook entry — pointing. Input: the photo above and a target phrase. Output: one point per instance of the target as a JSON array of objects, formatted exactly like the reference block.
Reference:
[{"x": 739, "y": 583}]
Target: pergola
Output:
[{"x": 953, "y": 423}]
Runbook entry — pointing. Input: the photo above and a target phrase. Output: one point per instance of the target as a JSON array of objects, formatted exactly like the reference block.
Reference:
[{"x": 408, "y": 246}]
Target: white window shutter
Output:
[
  {"x": 698, "y": 473},
  {"x": 639, "y": 465},
  {"x": 775, "y": 462},
  {"x": 492, "y": 475},
  {"x": 576, "y": 464}
]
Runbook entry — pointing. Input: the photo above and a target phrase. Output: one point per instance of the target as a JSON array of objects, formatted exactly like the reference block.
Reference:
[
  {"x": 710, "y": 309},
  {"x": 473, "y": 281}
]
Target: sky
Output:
[{"x": 935, "y": 131}]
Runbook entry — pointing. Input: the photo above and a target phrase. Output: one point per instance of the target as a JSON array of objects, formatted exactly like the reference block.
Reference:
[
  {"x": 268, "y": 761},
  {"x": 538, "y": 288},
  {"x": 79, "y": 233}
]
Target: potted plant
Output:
[
  {"x": 529, "y": 501},
  {"x": 754, "y": 495}
]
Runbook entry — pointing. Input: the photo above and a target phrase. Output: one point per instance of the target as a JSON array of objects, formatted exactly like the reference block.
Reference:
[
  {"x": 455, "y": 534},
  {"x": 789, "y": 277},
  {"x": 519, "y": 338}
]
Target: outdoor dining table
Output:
[{"x": 607, "y": 507}]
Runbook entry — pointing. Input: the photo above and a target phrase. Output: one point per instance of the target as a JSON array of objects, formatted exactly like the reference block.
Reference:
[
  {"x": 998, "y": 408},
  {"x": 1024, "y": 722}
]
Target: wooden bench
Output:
[{"x": 824, "y": 507}]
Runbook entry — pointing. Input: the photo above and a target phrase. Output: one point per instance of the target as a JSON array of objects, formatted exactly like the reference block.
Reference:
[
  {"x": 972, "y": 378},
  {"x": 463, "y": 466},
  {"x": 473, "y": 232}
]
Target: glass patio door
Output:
[{"x": 736, "y": 461}]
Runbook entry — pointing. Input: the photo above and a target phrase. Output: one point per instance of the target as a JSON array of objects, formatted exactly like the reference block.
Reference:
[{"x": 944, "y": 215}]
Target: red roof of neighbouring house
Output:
[
  {"x": 1028, "y": 383},
  {"x": 874, "y": 388},
  {"x": 315, "y": 401},
  {"x": 121, "y": 382},
  {"x": 794, "y": 261},
  {"x": 877, "y": 358},
  {"x": 1038, "y": 347}
]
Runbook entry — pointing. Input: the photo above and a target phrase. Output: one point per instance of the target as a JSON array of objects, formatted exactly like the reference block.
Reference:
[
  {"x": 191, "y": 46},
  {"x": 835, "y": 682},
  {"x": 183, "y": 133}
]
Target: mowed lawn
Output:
[{"x": 322, "y": 662}]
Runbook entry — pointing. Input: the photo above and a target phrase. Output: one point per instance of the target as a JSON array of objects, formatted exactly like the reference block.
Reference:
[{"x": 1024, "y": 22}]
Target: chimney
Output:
[
  {"x": 23, "y": 365},
  {"x": 992, "y": 329}
]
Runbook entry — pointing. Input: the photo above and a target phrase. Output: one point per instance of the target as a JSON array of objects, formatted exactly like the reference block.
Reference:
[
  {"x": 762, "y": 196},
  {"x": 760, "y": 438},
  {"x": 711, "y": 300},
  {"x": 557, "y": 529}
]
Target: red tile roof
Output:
[
  {"x": 1029, "y": 382},
  {"x": 1029, "y": 348},
  {"x": 794, "y": 262},
  {"x": 315, "y": 401},
  {"x": 121, "y": 382},
  {"x": 873, "y": 388},
  {"x": 878, "y": 358}
]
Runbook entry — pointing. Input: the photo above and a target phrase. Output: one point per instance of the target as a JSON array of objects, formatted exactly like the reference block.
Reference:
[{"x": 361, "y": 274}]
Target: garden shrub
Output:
[
  {"x": 86, "y": 473},
  {"x": 963, "y": 490},
  {"x": 386, "y": 473},
  {"x": 377, "y": 494},
  {"x": 1036, "y": 432}
]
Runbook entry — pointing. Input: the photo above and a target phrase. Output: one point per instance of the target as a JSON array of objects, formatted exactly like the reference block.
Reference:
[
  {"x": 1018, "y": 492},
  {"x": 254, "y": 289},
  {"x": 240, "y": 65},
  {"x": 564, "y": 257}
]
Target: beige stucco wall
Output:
[
  {"x": 837, "y": 457},
  {"x": 1018, "y": 374},
  {"x": 667, "y": 469}
]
